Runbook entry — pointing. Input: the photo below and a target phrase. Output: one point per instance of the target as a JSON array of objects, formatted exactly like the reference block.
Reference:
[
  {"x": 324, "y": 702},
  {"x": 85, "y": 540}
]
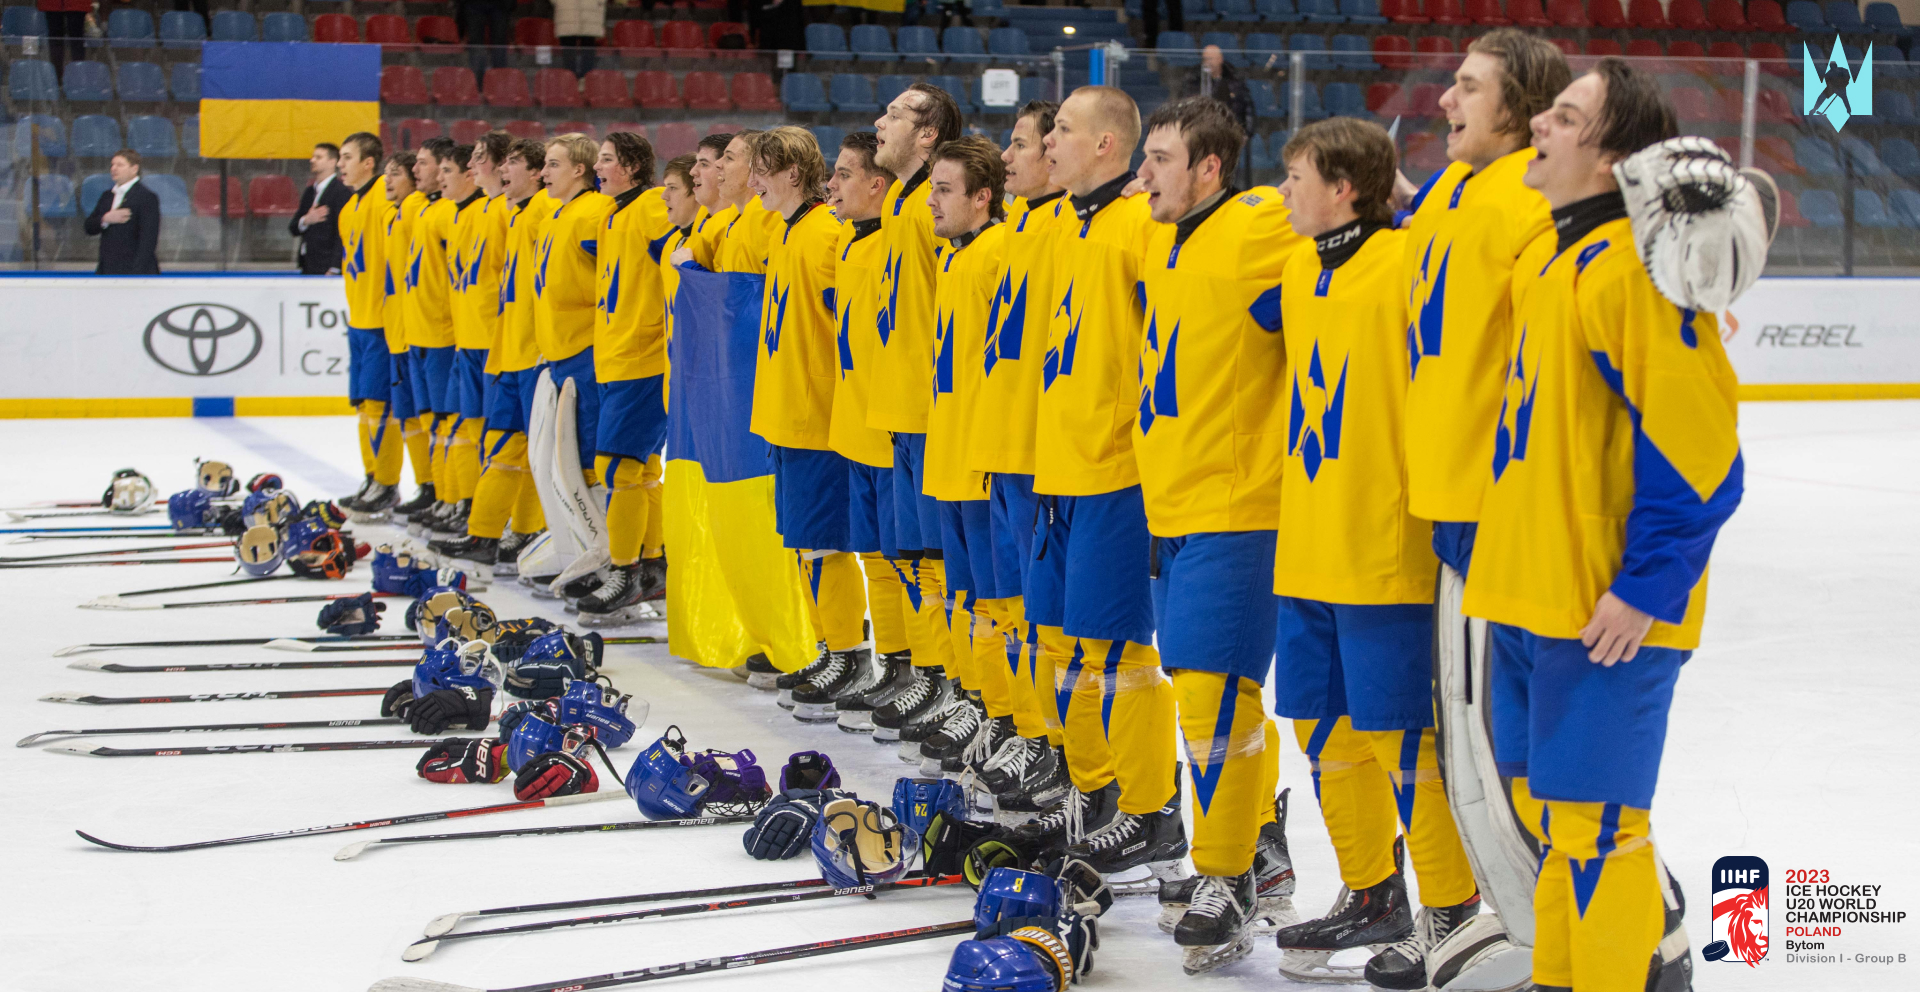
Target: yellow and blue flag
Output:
[{"x": 279, "y": 99}]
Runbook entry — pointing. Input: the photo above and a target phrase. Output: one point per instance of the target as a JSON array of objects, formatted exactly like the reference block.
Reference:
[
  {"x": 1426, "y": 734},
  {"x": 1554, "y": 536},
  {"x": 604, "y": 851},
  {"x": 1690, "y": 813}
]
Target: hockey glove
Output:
[
  {"x": 1068, "y": 940},
  {"x": 444, "y": 708},
  {"x": 944, "y": 845},
  {"x": 350, "y": 617},
  {"x": 1701, "y": 224},
  {"x": 399, "y": 700},
  {"x": 1081, "y": 886},
  {"x": 784, "y": 827},
  {"x": 510, "y": 717},
  {"x": 565, "y": 772},
  {"x": 460, "y": 760}
]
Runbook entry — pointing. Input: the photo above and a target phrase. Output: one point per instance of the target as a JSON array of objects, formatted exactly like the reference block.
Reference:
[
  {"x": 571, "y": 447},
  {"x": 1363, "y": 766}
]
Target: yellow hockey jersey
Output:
[
  {"x": 1615, "y": 460},
  {"x": 429, "y": 291},
  {"x": 483, "y": 259},
  {"x": 629, "y": 337},
  {"x": 897, "y": 396},
  {"x": 399, "y": 243},
  {"x": 1210, "y": 435},
  {"x": 1346, "y": 535},
  {"x": 1090, "y": 377},
  {"x": 794, "y": 365},
  {"x": 519, "y": 345},
  {"x": 469, "y": 331},
  {"x": 1003, "y": 421},
  {"x": 965, "y": 305},
  {"x": 363, "y": 228},
  {"x": 1466, "y": 233},
  {"x": 563, "y": 287},
  {"x": 736, "y": 238},
  {"x": 856, "y": 299}
]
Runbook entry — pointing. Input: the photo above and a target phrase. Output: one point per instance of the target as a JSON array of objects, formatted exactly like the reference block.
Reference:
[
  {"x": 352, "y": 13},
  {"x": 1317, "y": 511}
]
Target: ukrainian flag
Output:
[{"x": 279, "y": 99}]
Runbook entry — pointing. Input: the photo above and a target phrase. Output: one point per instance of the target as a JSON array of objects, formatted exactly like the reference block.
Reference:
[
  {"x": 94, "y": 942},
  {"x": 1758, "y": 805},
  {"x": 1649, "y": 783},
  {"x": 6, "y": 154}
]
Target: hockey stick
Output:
[
  {"x": 132, "y": 561},
  {"x": 371, "y": 640},
  {"x": 292, "y": 644},
  {"x": 445, "y": 922},
  {"x": 698, "y": 965},
  {"x": 237, "y": 666},
  {"x": 209, "y": 697},
  {"x": 96, "y": 510},
  {"x": 420, "y": 949},
  {"x": 395, "y": 821},
  {"x": 80, "y": 530},
  {"x": 169, "y": 752},
  {"x": 118, "y": 551},
  {"x": 195, "y": 728},
  {"x": 168, "y": 534},
  {"x": 356, "y": 848},
  {"x": 102, "y": 604},
  {"x": 200, "y": 585}
]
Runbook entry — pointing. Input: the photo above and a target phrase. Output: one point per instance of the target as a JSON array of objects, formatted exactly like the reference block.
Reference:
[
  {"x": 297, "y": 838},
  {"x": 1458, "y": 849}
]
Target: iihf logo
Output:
[{"x": 1740, "y": 918}]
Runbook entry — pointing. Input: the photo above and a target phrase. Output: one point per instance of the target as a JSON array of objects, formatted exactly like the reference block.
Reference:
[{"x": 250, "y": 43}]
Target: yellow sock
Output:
[
  {"x": 1356, "y": 799},
  {"x": 926, "y": 616},
  {"x": 500, "y": 481},
  {"x": 1028, "y": 707},
  {"x": 653, "y": 540},
  {"x": 419, "y": 451},
  {"x": 886, "y": 601},
  {"x": 837, "y": 592},
  {"x": 1119, "y": 722},
  {"x": 964, "y": 666},
  {"x": 444, "y": 483},
  {"x": 528, "y": 515},
  {"x": 1420, "y": 798},
  {"x": 363, "y": 430},
  {"x": 992, "y": 624},
  {"x": 387, "y": 445},
  {"x": 1598, "y": 910},
  {"x": 463, "y": 457},
  {"x": 1048, "y": 651},
  {"x": 1230, "y": 747},
  {"x": 627, "y": 503}
]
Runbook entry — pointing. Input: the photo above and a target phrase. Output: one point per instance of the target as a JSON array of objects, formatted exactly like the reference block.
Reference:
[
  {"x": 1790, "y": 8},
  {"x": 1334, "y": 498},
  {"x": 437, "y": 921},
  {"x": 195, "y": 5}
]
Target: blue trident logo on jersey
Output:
[
  {"x": 1004, "y": 336},
  {"x": 1316, "y": 415},
  {"x": 1059, "y": 360},
  {"x": 1510, "y": 439},
  {"x": 776, "y": 321},
  {"x": 1160, "y": 396},
  {"x": 609, "y": 301},
  {"x": 943, "y": 357},
  {"x": 891, "y": 275},
  {"x": 1423, "y": 335},
  {"x": 1837, "y": 93}
]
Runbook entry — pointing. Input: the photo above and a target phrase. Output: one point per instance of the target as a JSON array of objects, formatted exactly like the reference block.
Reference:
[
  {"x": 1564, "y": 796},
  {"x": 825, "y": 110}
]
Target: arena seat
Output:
[
  {"x": 506, "y": 88},
  {"x": 607, "y": 90},
  {"x": 453, "y": 86},
  {"x": 654, "y": 89},
  {"x": 707, "y": 91},
  {"x": 755, "y": 91},
  {"x": 404, "y": 85},
  {"x": 556, "y": 88},
  {"x": 272, "y": 196},
  {"x": 338, "y": 29}
]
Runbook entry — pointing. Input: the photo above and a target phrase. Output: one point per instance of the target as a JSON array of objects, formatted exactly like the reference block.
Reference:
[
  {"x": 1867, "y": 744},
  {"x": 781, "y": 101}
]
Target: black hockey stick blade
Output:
[
  {"x": 396, "y": 821},
  {"x": 402, "y": 661},
  {"x": 231, "y": 642},
  {"x": 420, "y": 949},
  {"x": 635, "y": 640},
  {"x": 356, "y": 848},
  {"x": 698, "y": 965},
  {"x": 197, "y": 728},
  {"x": 68, "y": 555},
  {"x": 209, "y": 697},
  {"x": 174, "y": 752}
]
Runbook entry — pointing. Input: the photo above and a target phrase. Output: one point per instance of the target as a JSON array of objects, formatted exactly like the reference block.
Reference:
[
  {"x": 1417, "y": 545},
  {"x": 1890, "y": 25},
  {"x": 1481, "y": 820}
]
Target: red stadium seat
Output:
[
  {"x": 755, "y": 91},
  {"x": 532, "y": 32},
  {"x": 1771, "y": 107},
  {"x": 1529, "y": 14},
  {"x": 723, "y": 127},
  {"x": 1387, "y": 100},
  {"x": 1776, "y": 63},
  {"x": 271, "y": 196},
  {"x": 525, "y": 129},
  {"x": 1790, "y": 215},
  {"x": 403, "y": 84},
  {"x": 1728, "y": 15},
  {"x": 1688, "y": 15},
  {"x": 389, "y": 138},
  {"x": 1726, "y": 53},
  {"x": 506, "y": 88},
  {"x": 557, "y": 88},
  {"x": 707, "y": 91},
  {"x": 1606, "y": 14},
  {"x": 722, "y": 29},
  {"x": 674, "y": 139},
  {"x": 607, "y": 90},
  {"x": 1600, "y": 47},
  {"x": 1425, "y": 100},
  {"x": 575, "y": 127},
  {"x": 1402, "y": 11},
  {"x": 1568, "y": 13},
  {"x": 1765, "y": 15},
  {"x": 467, "y": 131},
  {"x": 337, "y": 29},
  {"x": 206, "y": 196},
  {"x": 627, "y": 126},
  {"x": 1567, "y": 46},
  {"x": 389, "y": 31},
  {"x": 1486, "y": 13},
  {"x": 1444, "y": 12},
  {"x": 656, "y": 90},
  {"x": 634, "y": 37},
  {"x": 453, "y": 87},
  {"x": 1690, "y": 105},
  {"x": 1644, "y": 48},
  {"x": 1391, "y": 50},
  {"x": 1431, "y": 48},
  {"x": 683, "y": 39},
  {"x": 1775, "y": 154},
  {"x": 437, "y": 30},
  {"x": 412, "y": 132},
  {"x": 1647, "y": 15}
]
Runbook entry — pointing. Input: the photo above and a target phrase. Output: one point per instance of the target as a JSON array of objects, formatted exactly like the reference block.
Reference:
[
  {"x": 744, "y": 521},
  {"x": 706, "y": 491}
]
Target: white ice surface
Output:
[{"x": 1793, "y": 736}]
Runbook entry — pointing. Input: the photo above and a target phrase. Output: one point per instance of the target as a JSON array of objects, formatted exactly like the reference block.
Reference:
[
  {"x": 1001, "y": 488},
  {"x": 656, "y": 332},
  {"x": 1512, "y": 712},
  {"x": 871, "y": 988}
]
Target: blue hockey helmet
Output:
[
  {"x": 856, "y": 843},
  {"x": 215, "y": 477},
  {"x": 449, "y": 665},
  {"x": 599, "y": 707},
  {"x": 302, "y": 531},
  {"x": 259, "y": 550},
  {"x": 545, "y": 666},
  {"x": 271, "y": 507},
  {"x": 999, "y": 964},
  {"x": 425, "y": 612},
  {"x": 916, "y": 801},
  {"x": 535, "y": 734},
  {"x": 1009, "y": 893},
  {"x": 660, "y": 782},
  {"x": 192, "y": 510}
]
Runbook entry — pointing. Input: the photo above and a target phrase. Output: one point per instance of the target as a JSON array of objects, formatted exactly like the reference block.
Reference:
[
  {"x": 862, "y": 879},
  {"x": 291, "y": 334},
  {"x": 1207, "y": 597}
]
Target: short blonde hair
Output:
[
  {"x": 790, "y": 147},
  {"x": 579, "y": 149},
  {"x": 1115, "y": 111}
]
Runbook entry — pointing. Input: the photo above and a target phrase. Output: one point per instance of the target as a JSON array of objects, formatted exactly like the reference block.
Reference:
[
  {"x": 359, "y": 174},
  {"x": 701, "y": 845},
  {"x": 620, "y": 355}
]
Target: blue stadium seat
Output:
[
  {"x": 1345, "y": 100},
  {"x": 88, "y": 81},
  {"x": 1311, "y": 108},
  {"x": 1816, "y": 157},
  {"x": 32, "y": 80},
  {"x": 56, "y": 196},
  {"x": 96, "y": 136},
  {"x": 1179, "y": 47},
  {"x": 1843, "y": 15},
  {"x": 870, "y": 43},
  {"x": 1906, "y": 207},
  {"x": 957, "y": 88},
  {"x": 233, "y": 25},
  {"x": 23, "y": 22},
  {"x": 886, "y": 88},
  {"x": 1806, "y": 15},
  {"x": 990, "y": 9},
  {"x": 172, "y": 191},
  {"x": 1198, "y": 11},
  {"x": 1320, "y": 11},
  {"x": 916, "y": 41},
  {"x": 1871, "y": 211},
  {"x": 1003, "y": 42},
  {"x": 141, "y": 82},
  {"x": 91, "y": 188},
  {"x": 1865, "y": 161},
  {"x": 1356, "y": 52},
  {"x": 53, "y": 136},
  {"x": 1035, "y": 88},
  {"x": 962, "y": 43},
  {"x": 184, "y": 80},
  {"x": 1822, "y": 207},
  {"x": 130, "y": 27},
  {"x": 1229, "y": 44},
  {"x": 1884, "y": 18},
  {"x": 1237, "y": 11},
  {"x": 1313, "y": 45},
  {"x": 181, "y": 29},
  {"x": 1362, "y": 11},
  {"x": 283, "y": 26},
  {"x": 1262, "y": 153},
  {"x": 1277, "y": 143},
  {"x": 1901, "y": 157},
  {"x": 1262, "y": 45},
  {"x": 1893, "y": 106},
  {"x": 1277, "y": 11},
  {"x": 803, "y": 93},
  {"x": 1265, "y": 105},
  {"x": 190, "y": 136},
  {"x": 828, "y": 138},
  {"x": 852, "y": 94},
  {"x": 152, "y": 137}
]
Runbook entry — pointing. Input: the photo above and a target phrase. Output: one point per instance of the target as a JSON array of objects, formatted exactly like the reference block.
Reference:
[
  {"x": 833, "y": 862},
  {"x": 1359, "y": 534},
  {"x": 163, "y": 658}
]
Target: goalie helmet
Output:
[
  {"x": 192, "y": 509},
  {"x": 259, "y": 550},
  {"x": 325, "y": 555},
  {"x": 667, "y": 783},
  {"x": 858, "y": 843},
  {"x": 215, "y": 477},
  {"x": 129, "y": 492},
  {"x": 269, "y": 507},
  {"x": 451, "y": 666}
]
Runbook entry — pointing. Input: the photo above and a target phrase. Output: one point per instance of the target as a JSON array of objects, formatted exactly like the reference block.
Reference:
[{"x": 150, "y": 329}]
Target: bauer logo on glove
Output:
[{"x": 463, "y": 760}]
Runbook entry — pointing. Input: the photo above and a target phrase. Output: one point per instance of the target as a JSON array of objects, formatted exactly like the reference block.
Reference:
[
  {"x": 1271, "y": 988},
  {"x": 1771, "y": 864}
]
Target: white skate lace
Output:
[
  {"x": 836, "y": 667},
  {"x": 964, "y": 721},
  {"x": 1212, "y": 897},
  {"x": 1425, "y": 935},
  {"x": 980, "y": 747},
  {"x": 916, "y": 693},
  {"x": 611, "y": 590},
  {"x": 1015, "y": 754},
  {"x": 1121, "y": 828}
]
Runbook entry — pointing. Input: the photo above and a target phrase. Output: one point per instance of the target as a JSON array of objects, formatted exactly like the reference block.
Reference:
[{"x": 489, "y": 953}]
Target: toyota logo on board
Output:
[{"x": 203, "y": 339}]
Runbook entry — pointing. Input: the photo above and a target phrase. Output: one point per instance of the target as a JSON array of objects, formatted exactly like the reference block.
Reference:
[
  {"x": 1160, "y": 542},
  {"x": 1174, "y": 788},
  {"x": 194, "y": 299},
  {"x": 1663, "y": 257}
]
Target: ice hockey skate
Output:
[
  {"x": 1216, "y": 929},
  {"x": 1272, "y": 877},
  {"x": 1374, "y": 917}
]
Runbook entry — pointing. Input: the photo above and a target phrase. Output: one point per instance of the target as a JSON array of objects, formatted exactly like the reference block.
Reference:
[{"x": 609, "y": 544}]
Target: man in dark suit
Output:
[
  {"x": 317, "y": 222},
  {"x": 127, "y": 220}
]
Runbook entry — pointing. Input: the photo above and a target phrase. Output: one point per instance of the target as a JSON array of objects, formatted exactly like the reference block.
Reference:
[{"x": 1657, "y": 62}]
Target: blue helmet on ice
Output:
[
  {"x": 259, "y": 550},
  {"x": 600, "y": 707},
  {"x": 553, "y": 658},
  {"x": 668, "y": 783},
  {"x": 999, "y": 964},
  {"x": 449, "y": 665},
  {"x": 1009, "y": 893},
  {"x": 857, "y": 843},
  {"x": 192, "y": 510},
  {"x": 916, "y": 801},
  {"x": 425, "y": 612},
  {"x": 270, "y": 507}
]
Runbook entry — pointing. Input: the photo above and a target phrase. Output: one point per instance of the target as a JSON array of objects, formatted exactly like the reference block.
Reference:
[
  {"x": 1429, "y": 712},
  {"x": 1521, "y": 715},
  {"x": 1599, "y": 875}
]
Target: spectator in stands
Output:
[
  {"x": 487, "y": 26},
  {"x": 66, "y": 29},
  {"x": 316, "y": 223},
  {"x": 579, "y": 25},
  {"x": 1213, "y": 77},
  {"x": 197, "y": 6},
  {"x": 780, "y": 24},
  {"x": 127, "y": 221},
  {"x": 1176, "y": 18}
]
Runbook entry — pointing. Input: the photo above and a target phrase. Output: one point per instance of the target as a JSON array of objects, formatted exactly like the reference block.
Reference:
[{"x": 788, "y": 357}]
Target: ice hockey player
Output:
[
  {"x": 407, "y": 204},
  {"x": 462, "y": 425},
  {"x": 363, "y": 225},
  {"x": 429, "y": 319}
]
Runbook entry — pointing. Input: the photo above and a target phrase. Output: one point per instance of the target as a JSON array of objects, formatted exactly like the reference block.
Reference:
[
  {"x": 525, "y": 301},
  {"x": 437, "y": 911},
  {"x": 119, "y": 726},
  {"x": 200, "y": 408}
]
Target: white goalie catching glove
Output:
[{"x": 1701, "y": 224}]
